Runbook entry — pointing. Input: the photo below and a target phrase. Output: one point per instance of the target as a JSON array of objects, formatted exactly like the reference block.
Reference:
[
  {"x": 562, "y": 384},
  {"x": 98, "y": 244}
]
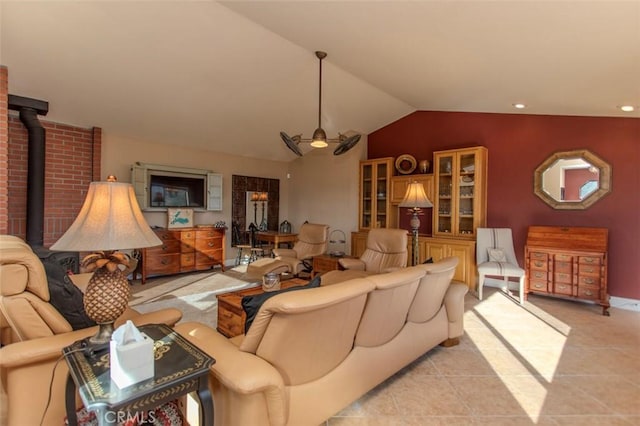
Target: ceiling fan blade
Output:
[
  {"x": 291, "y": 143},
  {"x": 347, "y": 144}
]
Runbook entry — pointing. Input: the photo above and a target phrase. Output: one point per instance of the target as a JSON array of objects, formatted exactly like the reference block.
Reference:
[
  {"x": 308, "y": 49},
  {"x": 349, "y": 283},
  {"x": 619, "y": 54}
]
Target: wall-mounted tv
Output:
[
  {"x": 176, "y": 190},
  {"x": 158, "y": 187}
]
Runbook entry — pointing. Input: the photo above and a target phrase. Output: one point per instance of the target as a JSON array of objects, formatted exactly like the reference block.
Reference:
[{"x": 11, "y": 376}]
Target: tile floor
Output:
[{"x": 550, "y": 362}]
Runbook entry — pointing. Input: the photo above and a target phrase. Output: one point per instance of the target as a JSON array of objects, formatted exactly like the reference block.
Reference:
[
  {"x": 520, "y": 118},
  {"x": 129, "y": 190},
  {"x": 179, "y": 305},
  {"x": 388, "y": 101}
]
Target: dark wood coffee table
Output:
[{"x": 231, "y": 316}]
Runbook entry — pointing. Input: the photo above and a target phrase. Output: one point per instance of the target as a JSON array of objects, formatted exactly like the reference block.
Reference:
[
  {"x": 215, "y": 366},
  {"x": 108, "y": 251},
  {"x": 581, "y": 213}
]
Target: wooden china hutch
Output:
[{"x": 458, "y": 190}]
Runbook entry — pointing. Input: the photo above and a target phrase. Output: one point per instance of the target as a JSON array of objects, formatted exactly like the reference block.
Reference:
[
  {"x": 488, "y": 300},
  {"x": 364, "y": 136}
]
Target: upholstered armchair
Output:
[
  {"x": 33, "y": 335},
  {"x": 386, "y": 250},
  {"x": 312, "y": 241}
]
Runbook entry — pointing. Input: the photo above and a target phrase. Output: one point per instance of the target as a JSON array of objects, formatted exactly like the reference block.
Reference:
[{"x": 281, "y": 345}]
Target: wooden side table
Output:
[
  {"x": 276, "y": 238},
  {"x": 231, "y": 316},
  {"x": 325, "y": 263},
  {"x": 180, "y": 368}
]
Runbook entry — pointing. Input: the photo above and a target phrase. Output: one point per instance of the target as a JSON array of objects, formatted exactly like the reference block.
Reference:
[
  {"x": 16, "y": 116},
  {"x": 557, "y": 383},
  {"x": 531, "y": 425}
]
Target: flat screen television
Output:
[{"x": 168, "y": 189}]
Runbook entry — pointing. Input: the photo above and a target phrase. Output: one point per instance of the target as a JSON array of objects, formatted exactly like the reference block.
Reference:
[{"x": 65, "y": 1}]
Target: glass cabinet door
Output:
[
  {"x": 375, "y": 194},
  {"x": 466, "y": 182},
  {"x": 381, "y": 196},
  {"x": 366, "y": 196},
  {"x": 444, "y": 200},
  {"x": 460, "y": 202}
]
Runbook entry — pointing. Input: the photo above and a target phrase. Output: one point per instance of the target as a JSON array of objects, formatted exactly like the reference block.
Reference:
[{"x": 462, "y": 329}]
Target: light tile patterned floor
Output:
[{"x": 551, "y": 362}]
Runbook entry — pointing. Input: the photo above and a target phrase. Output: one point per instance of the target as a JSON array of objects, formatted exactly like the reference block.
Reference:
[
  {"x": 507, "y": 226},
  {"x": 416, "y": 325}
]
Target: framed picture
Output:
[{"x": 179, "y": 218}]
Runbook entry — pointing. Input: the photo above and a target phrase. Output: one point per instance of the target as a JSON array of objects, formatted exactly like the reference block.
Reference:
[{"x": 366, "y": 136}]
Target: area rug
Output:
[{"x": 194, "y": 295}]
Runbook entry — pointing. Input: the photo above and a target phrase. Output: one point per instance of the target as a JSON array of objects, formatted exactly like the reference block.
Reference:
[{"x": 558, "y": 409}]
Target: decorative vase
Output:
[{"x": 424, "y": 166}]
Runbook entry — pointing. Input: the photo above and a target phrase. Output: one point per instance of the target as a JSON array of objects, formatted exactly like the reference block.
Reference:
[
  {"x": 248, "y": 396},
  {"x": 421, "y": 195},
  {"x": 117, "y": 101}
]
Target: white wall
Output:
[
  {"x": 118, "y": 154},
  {"x": 321, "y": 187}
]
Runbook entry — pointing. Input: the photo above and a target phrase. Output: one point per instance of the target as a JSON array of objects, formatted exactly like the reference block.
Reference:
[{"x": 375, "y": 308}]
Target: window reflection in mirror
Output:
[{"x": 572, "y": 179}]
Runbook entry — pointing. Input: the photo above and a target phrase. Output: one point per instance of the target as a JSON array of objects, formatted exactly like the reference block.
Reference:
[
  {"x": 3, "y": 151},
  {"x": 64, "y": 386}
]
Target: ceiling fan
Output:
[{"x": 319, "y": 138}]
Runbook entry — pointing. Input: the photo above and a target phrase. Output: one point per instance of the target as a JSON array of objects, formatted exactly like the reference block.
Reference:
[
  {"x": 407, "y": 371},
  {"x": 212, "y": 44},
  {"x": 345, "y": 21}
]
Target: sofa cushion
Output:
[
  {"x": 252, "y": 304},
  {"x": 66, "y": 297}
]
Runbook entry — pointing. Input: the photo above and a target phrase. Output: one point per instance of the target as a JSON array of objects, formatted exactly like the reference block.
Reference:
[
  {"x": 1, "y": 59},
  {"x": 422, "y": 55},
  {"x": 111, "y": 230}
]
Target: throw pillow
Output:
[
  {"x": 251, "y": 304},
  {"x": 65, "y": 296},
  {"x": 496, "y": 255}
]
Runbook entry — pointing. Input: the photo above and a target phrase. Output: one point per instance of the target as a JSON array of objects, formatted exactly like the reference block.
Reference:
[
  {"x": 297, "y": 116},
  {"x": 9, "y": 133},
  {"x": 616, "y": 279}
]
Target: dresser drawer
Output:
[
  {"x": 162, "y": 264},
  {"x": 169, "y": 246},
  {"x": 563, "y": 278},
  {"x": 588, "y": 269},
  {"x": 166, "y": 235},
  {"x": 539, "y": 265},
  {"x": 539, "y": 276},
  {"x": 539, "y": 255},
  {"x": 563, "y": 258},
  {"x": 207, "y": 244},
  {"x": 205, "y": 260},
  {"x": 565, "y": 289},
  {"x": 187, "y": 262},
  {"x": 589, "y": 280},
  {"x": 539, "y": 286},
  {"x": 563, "y": 267},
  {"x": 188, "y": 237},
  {"x": 590, "y": 260},
  {"x": 589, "y": 292},
  {"x": 208, "y": 233}
]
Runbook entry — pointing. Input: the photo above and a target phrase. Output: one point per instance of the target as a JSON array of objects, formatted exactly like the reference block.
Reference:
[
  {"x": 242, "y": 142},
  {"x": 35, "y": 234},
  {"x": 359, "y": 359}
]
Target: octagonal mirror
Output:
[{"x": 572, "y": 180}]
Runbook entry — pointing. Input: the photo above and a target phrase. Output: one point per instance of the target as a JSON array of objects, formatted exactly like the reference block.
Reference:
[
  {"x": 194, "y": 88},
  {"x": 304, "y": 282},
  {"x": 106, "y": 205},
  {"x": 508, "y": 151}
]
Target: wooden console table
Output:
[{"x": 231, "y": 316}]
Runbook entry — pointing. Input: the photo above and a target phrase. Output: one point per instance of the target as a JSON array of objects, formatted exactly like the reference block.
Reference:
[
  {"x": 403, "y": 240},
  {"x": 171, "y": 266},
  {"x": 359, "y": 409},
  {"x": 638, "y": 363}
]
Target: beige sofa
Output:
[
  {"x": 310, "y": 353},
  {"x": 33, "y": 335}
]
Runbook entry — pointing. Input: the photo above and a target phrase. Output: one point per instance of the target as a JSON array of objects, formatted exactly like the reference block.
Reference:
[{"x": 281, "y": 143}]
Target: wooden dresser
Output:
[
  {"x": 184, "y": 250},
  {"x": 568, "y": 262}
]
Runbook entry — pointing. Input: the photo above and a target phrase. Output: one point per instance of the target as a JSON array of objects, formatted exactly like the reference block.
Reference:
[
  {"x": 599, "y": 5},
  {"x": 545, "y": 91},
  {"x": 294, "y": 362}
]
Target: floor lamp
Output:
[{"x": 415, "y": 199}]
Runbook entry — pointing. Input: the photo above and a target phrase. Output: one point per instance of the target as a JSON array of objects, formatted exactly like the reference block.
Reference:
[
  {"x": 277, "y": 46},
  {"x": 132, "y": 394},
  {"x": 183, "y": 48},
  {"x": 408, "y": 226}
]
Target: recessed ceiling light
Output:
[
  {"x": 519, "y": 106},
  {"x": 627, "y": 108}
]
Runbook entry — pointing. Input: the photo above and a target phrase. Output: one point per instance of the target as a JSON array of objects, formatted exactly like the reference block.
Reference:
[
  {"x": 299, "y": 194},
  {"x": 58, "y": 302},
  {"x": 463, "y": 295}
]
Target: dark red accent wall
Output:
[{"x": 517, "y": 144}]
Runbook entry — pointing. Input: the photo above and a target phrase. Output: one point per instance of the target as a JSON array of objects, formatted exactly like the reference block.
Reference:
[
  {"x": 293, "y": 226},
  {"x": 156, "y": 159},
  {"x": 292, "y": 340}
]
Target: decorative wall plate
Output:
[{"x": 406, "y": 164}]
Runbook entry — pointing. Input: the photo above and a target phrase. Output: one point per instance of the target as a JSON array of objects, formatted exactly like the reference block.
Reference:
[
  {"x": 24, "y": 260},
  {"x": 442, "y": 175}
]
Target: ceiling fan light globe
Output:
[{"x": 319, "y": 139}]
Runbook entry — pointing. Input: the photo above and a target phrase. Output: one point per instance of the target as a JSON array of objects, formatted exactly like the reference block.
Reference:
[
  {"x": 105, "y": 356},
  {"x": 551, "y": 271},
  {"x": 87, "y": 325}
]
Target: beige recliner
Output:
[
  {"x": 33, "y": 335},
  {"x": 386, "y": 250},
  {"x": 312, "y": 241}
]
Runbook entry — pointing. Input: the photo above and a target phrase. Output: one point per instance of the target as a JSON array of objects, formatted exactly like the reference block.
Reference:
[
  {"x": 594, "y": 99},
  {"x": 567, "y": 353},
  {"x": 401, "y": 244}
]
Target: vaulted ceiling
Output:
[{"x": 229, "y": 76}]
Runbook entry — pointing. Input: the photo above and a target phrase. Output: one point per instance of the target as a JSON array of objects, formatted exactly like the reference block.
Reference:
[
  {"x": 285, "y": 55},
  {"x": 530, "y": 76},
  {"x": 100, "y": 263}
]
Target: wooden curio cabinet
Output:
[
  {"x": 375, "y": 200},
  {"x": 460, "y": 200}
]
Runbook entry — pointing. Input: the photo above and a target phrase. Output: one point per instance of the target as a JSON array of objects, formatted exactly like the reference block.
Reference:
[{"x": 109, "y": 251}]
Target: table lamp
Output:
[
  {"x": 415, "y": 199},
  {"x": 109, "y": 220}
]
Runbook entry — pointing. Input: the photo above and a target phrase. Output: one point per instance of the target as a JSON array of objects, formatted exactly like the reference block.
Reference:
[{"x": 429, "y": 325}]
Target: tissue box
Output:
[{"x": 133, "y": 362}]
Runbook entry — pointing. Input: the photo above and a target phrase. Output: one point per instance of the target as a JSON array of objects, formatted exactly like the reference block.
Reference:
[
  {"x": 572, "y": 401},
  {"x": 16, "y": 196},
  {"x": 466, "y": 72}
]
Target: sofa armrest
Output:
[
  {"x": 349, "y": 263},
  {"x": 240, "y": 373},
  {"x": 27, "y": 368},
  {"x": 285, "y": 252},
  {"x": 454, "y": 303}
]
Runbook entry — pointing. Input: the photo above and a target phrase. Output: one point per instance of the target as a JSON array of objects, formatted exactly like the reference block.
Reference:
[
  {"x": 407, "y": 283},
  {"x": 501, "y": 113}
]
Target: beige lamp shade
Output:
[
  {"x": 110, "y": 219},
  {"x": 415, "y": 197}
]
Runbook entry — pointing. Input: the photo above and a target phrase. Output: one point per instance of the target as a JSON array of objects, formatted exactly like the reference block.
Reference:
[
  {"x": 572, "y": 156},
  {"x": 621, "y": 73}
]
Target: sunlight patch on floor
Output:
[{"x": 524, "y": 347}]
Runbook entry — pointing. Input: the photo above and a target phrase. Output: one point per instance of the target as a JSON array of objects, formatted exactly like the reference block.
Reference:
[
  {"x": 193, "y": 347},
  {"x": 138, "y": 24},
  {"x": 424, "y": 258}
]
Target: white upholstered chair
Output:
[{"x": 495, "y": 257}]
